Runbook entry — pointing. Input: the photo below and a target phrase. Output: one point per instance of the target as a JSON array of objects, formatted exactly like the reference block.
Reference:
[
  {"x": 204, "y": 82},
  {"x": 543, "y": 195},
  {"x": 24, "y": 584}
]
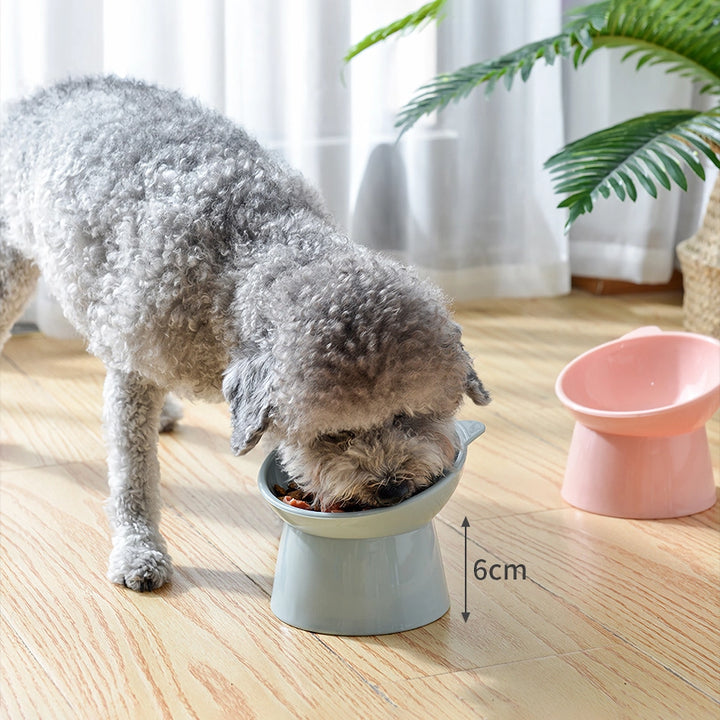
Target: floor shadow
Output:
[
  {"x": 241, "y": 508},
  {"x": 187, "y": 577}
]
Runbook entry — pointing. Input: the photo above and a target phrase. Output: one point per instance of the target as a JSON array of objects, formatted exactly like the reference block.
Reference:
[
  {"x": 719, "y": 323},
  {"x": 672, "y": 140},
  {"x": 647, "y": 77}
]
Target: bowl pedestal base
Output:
[
  {"x": 367, "y": 586},
  {"x": 639, "y": 477}
]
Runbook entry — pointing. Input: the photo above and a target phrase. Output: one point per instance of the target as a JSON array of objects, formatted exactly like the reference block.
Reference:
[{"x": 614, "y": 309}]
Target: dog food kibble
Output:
[
  {"x": 302, "y": 504},
  {"x": 295, "y": 497}
]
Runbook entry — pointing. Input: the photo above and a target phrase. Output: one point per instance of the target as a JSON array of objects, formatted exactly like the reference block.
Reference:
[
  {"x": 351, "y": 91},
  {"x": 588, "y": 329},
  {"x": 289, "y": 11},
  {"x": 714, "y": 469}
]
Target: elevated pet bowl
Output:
[
  {"x": 639, "y": 448},
  {"x": 371, "y": 572}
]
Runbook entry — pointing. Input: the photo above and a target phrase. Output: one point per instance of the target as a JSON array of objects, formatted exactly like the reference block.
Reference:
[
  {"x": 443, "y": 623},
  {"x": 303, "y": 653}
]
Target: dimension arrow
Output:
[{"x": 465, "y": 613}]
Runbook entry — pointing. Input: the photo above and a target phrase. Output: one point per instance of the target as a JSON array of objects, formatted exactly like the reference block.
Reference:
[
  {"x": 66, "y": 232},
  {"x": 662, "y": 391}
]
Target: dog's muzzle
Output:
[{"x": 392, "y": 491}]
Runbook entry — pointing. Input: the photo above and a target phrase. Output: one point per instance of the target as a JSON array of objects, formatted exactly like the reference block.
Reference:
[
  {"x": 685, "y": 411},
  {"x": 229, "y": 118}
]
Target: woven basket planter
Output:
[{"x": 700, "y": 263}]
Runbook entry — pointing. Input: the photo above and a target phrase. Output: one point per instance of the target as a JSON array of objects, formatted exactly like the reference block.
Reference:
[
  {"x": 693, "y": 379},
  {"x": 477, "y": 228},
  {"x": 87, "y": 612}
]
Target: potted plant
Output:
[{"x": 682, "y": 36}]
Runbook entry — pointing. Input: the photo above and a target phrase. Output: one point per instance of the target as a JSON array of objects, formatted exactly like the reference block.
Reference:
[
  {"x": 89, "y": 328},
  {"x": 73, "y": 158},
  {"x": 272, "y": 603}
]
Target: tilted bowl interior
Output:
[
  {"x": 646, "y": 383},
  {"x": 404, "y": 517}
]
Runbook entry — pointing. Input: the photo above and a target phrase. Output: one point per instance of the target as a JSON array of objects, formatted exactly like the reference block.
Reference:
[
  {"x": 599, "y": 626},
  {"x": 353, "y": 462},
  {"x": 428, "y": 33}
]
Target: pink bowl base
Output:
[{"x": 639, "y": 477}]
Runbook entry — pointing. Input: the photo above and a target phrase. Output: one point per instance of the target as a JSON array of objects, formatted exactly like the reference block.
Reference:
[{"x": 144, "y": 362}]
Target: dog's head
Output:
[
  {"x": 359, "y": 385},
  {"x": 372, "y": 467}
]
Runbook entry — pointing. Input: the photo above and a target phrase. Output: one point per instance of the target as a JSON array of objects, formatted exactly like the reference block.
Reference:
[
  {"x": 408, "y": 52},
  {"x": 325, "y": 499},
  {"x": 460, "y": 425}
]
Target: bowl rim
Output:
[
  {"x": 630, "y": 414},
  {"x": 319, "y": 515}
]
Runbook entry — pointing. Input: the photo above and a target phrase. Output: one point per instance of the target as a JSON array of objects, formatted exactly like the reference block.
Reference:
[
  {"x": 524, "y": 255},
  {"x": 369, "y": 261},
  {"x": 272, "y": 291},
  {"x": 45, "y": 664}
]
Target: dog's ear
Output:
[
  {"x": 475, "y": 390},
  {"x": 246, "y": 387},
  {"x": 473, "y": 385}
]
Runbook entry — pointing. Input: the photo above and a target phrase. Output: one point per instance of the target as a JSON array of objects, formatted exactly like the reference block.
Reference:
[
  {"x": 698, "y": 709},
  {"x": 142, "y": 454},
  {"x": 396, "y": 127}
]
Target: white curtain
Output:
[{"x": 463, "y": 195}]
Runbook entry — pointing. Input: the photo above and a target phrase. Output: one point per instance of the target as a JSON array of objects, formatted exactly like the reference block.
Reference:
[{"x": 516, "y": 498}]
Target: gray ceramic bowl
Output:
[{"x": 362, "y": 573}]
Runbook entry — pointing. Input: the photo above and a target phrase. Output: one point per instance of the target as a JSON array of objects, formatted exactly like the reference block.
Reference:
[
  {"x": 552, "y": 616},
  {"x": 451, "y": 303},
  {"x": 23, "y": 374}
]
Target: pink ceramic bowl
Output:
[
  {"x": 639, "y": 448},
  {"x": 648, "y": 383}
]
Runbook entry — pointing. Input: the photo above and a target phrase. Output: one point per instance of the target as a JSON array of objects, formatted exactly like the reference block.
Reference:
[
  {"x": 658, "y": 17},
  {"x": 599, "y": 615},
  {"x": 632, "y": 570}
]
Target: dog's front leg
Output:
[{"x": 131, "y": 417}]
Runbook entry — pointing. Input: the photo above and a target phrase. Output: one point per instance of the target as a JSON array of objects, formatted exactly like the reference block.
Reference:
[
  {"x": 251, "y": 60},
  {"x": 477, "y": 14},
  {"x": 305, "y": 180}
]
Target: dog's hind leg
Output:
[
  {"x": 131, "y": 419},
  {"x": 18, "y": 277},
  {"x": 170, "y": 414}
]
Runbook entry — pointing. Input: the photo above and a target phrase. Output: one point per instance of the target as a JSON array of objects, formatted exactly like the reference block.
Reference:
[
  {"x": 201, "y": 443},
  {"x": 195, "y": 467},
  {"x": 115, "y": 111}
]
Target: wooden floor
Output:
[{"x": 615, "y": 619}]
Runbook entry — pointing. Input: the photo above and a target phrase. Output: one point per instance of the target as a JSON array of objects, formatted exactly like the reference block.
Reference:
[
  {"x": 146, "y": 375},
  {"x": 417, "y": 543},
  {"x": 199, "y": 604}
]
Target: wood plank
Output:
[
  {"x": 609, "y": 286},
  {"x": 615, "y": 619},
  {"x": 658, "y": 595},
  {"x": 26, "y": 690},
  {"x": 37, "y": 428},
  {"x": 513, "y": 468},
  {"x": 148, "y": 655},
  {"x": 618, "y": 683}
]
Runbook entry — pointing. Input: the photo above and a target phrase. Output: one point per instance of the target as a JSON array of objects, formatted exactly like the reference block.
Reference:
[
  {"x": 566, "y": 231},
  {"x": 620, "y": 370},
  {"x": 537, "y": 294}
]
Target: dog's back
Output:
[{"x": 141, "y": 209}]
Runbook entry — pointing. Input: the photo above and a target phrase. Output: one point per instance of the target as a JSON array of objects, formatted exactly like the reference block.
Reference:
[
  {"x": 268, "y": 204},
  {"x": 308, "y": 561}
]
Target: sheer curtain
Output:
[{"x": 463, "y": 195}]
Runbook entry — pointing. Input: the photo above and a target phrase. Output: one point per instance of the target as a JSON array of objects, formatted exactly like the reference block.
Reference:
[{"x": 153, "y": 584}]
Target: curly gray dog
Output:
[{"x": 194, "y": 261}]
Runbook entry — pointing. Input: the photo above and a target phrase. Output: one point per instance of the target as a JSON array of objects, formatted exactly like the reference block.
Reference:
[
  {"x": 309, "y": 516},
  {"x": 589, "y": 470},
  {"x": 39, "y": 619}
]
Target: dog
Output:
[{"x": 194, "y": 261}]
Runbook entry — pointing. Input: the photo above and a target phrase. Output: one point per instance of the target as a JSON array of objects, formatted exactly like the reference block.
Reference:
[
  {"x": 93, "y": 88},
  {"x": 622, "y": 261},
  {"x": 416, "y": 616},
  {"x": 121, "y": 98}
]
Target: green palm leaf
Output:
[
  {"x": 575, "y": 38},
  {"x": 428, "y": 12},
  {"x": 649, "y": 148},
  {"x": 684, "y": 35}
]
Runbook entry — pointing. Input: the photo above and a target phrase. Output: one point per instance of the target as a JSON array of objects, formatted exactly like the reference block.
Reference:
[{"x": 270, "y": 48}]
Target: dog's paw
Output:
[{"x": 140, "y": 567}]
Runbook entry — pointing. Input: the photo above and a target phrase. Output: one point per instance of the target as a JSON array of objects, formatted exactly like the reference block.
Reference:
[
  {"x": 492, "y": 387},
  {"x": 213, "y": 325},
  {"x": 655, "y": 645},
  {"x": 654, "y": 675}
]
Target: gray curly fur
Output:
[{"x": 193, "y": 260}]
